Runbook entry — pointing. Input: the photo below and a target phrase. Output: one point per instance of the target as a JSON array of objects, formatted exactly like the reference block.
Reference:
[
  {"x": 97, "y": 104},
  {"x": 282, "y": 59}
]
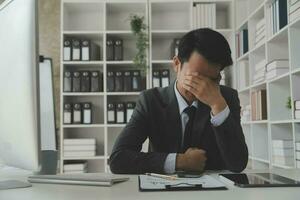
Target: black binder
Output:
[
  {"x": 127, "y": 81},
  {"x": 165, "y": 78},
  {"x": 89, "y": 50},
  {"x": 76, "y": 82},
  {"x": 129, "y": 110},
  {"x": 77, "y": 113},
  {"x": 119, "y": 81},
  {"x": 95, "y": 82},
  {"x": 110, "y": 81},
  {"x": 76, "y": 51},
  {"x": 118, "y": 50},
  {"x": 67, "y": 81},
  {"x": 87, "y": 113},
  {"x": 68, "y": 114},
  {"x": 67, "y": 50},
  {"x": 109, "y": 49},
  {"x": 156, "y": 78},
  {"x": 111, "y": 113},
  {"x": 120, "y": 113},
  {"x": 85, "y": 82},
  {"x": 136, "y": 81}
]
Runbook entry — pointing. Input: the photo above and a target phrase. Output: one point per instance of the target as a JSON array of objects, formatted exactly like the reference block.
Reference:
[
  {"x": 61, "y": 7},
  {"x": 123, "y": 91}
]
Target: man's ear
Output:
[{"x": 176, "y": 64}]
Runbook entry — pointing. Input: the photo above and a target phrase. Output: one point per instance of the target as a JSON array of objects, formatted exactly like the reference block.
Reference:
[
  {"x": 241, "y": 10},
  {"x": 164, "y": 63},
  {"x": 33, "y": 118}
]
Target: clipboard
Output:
[{"x": 190, "y": 184}]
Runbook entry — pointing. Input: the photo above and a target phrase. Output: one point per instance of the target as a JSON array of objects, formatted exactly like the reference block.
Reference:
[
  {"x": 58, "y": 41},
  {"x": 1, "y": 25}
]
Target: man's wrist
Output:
[{"x": 219, "y": 106}]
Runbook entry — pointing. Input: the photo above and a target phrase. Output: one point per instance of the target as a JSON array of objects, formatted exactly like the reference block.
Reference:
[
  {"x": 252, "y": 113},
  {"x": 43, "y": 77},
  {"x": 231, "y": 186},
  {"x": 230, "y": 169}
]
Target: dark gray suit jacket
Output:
[{"x": 157, "y": 117}]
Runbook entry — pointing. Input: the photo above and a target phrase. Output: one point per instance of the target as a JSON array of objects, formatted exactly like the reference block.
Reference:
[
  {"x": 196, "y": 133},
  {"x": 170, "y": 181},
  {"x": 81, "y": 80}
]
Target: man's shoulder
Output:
[
  {"x": 230, "y": 94},
  {"x": 156, "y": 94},
  {"x": 226, "y": 90}
]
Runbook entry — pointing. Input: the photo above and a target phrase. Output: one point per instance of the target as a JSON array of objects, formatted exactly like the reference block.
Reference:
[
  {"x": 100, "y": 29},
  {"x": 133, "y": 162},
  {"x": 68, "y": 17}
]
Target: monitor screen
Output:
[{"x": 19, "y": 122}]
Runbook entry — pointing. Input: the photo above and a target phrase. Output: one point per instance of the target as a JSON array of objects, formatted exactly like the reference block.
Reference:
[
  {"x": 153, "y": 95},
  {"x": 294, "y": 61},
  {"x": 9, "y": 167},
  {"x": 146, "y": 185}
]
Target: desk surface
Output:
[{"x": 129, "y": 190}]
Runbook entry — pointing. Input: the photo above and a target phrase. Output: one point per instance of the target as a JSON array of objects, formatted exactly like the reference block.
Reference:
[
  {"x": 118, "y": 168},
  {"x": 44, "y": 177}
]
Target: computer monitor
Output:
[{"x": 19, "y": 108}]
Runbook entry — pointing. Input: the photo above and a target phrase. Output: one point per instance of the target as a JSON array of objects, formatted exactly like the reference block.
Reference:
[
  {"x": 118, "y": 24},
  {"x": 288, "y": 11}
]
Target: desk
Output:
[{"x": 129, "y": 190}]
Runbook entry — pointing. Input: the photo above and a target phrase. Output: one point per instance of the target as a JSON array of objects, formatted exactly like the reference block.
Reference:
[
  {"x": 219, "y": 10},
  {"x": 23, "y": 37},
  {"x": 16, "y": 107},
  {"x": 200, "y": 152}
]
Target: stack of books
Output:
[
  {"x": 260, "y": 32},
  {"x": 245, "y": 113},
  {"x": 75, "y": 168},
  {"x": 204, "y": 15},
  {"x": 283, "y": 152},
  {"x": 242, "y": 42},
  {"x": 79, "y": 147},
  {"x": 298, "y": 154},
  {"x": 244, "y": 74},
  {"x": 278, "y": 15},
  {"x": 294, "y": 10},
  {"x": 259, "y": 105},
  {"x": 297, "y": 109},
  {"x": 259, "y": 72},
  {"x": 277, "y": 68}
]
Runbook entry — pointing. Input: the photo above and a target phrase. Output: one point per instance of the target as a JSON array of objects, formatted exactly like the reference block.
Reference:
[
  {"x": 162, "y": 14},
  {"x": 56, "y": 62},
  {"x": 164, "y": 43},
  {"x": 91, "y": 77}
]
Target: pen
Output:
[{"x": 162, "y": 176}]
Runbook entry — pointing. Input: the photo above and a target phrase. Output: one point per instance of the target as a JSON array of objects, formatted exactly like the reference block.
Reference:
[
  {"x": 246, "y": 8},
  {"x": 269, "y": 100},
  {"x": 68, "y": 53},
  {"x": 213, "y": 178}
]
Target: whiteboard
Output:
[{"x": 47, "y": 114}]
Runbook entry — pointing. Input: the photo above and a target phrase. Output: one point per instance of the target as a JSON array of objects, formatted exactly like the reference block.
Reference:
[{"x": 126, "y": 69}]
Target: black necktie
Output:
[{"x": 187, "y": 141}]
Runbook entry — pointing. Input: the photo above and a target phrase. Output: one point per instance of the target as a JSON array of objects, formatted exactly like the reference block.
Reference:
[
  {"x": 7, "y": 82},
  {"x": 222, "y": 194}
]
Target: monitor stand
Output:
[
  {"x": 48, "y": 165},
  {"x": 13, "y": 184}
]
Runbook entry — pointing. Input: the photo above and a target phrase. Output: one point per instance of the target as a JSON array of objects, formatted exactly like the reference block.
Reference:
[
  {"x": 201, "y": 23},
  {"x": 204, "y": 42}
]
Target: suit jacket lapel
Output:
[{"x": 172, "y": 119}]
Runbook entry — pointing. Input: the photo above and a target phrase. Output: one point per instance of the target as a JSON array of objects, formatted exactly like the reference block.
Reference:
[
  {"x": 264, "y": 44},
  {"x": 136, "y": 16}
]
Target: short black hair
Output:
[{"x": 211, "y": 44}]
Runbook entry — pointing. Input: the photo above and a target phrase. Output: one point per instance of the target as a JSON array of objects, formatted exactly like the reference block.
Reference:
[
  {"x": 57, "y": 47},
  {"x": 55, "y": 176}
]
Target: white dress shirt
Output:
[{"x": 216, "y": 120}]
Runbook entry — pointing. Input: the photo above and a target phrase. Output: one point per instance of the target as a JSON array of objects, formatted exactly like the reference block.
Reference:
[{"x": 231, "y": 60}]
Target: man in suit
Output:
[{"x": 192, "y": 125}]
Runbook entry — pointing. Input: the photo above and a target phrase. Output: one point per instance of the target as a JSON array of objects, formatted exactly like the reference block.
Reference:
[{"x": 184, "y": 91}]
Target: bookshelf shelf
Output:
[
  {"x": 260, "y": 139},
  {"x": 116, "y": 125},
  {"x": 286, "y": 75},
  {"x": 280, "y": 35},
  {"x": 294, "y": 32},
  {"x": 122, "y": 93},
  {"x": 117, "y": 17},
  {"x": 259, "y": 86},
  {"x": 100, "y": 20},
  {"x": 164, "y": 32},
  {"x": 243, "y": 57},
  {"x": 282, "y": 166},
  {"x": 279, "y": 92},
  {"x": 162, "y": 61},
  {"x": 75, "y": 16},
  {"x": 122, "y": 62},
  {"x": 162, "y": 44},
  {"x": 285, "y": 44},
  {"x": 85, "y": 158},
  {"x": 243, "y": 90},
  {"x": 259, "y": 122},
  {"x": 163, "y": 13},
  {"x": 73, "y": 63},
  {"x": 295, "y": 71},
  {"x": 83, "y": 94},
  {"x": 260, "y": 160},
  {"x": 245, "y": 123},
  {"x": 84, "y": 126},
  {"x": 280, "y": 121},
  {"x": 83, "y": 33},
  {"x": 257, "y": 48}
]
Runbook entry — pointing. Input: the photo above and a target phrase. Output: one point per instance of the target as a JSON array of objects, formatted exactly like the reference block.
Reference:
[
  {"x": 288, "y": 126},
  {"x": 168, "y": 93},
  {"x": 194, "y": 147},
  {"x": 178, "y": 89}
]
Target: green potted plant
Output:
[
  {"x": 139, "y": 29},
  {"x": 289, "y": 103}
]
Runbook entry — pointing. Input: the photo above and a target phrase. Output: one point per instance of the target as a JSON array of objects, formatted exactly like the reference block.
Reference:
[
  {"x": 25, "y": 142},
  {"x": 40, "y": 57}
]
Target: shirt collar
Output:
[{"x": 182, "y": 104}]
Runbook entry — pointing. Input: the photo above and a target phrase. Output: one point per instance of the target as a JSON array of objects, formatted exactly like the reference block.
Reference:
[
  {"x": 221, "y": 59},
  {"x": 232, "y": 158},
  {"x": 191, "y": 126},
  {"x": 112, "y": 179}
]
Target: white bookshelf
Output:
[
  {"x": 101, "y": 19},
  {"x": 280, "y": 123}
]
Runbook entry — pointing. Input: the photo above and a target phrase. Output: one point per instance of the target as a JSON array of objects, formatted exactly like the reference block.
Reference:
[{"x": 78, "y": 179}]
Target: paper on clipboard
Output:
[{"x": 155, "y": 183}]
